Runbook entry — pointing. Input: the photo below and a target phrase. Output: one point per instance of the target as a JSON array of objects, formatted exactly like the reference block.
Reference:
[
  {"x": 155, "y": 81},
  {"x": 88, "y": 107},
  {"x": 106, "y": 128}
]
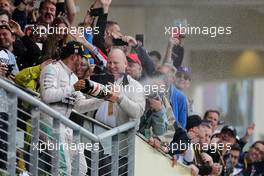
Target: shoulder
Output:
[
  {"x": 133, "y": 81},
  {"x": 51, "y": 69}
]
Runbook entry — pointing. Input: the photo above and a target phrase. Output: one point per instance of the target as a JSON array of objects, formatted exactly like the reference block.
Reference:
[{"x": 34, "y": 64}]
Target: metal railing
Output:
[{"x": 25, "y": 139}]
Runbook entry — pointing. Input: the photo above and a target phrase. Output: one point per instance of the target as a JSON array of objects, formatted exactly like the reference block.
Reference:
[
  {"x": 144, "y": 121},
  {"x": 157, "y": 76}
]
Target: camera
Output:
[
  {"x": 96, "y": 12},
  {"x": 101, "y": 75},
  {"x": 96, "y": 89},
  {"x": 119, "y": 42},
  {"x": 155, "y": 96},
  {"x": 10, "y": 69}
]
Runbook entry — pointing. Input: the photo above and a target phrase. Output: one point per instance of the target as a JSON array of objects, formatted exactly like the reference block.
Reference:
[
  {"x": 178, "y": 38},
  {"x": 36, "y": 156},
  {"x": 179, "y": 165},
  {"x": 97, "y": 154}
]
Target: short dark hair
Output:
[
  {"x": 110, "y": 24},
  {"x": 236, "y": 147},
  {"x": 257, "y": 142},
  {"x": 155, "y": 53},
  {"x": 5, "y": 12},
  {"x": 211, "y": 110},
  {"x": 44, "y": 2}
]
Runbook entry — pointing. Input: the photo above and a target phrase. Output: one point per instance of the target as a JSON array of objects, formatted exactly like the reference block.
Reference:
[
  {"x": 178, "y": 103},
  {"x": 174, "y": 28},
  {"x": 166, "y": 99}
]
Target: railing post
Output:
[
  {"x": 56, "y": 151},
  {"x": 131, "y": 151},
  {"x": 3, "y": 124},
  {"x": 115, "y": 155},
  {"x": 95, "y": 160},
  {"x": 35, "y": 141},
  {"x": 12, "y": 127},
  {"x": 76, "y": 161}
]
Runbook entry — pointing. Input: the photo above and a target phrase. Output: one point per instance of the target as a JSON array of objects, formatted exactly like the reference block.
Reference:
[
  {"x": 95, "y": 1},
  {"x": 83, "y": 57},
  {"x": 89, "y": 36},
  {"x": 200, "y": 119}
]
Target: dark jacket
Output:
[{"x": 27, "y": 52}]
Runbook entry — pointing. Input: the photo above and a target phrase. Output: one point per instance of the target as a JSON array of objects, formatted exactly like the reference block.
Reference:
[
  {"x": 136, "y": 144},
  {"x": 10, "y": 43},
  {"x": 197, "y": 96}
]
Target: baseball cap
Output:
[
  {"x": 132, "y": 57},
  {"x": 185, "y": 70},
  {"x": 193, "y": 121},
  {"x": 72, "y": 47},
  {"x": 230, "y": 129}
]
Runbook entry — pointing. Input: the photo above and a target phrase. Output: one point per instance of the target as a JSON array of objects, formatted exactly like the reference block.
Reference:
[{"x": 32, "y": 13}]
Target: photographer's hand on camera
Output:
[
  {"x": 155, "y": 104},
  {"x": 79, "y": 85},
  {"x": 3, "y": 69},
  {"x": 130, "y": 40},
  {"x": 115, "y": 96}
]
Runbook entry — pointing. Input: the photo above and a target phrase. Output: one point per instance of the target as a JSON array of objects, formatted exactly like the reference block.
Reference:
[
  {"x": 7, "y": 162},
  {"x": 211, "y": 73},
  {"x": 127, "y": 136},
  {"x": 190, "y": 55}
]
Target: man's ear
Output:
[
  {"x": 13, "y": 38},
  {"x": 126, "y": 64},
  {"x": 141, "y": 68}
]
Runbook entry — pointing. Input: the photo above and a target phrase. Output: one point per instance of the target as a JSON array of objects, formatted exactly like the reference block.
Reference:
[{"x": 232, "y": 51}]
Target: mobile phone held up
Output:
[
  {"x": 140, "y": 38},
  {"x": 119, "y": 42}
]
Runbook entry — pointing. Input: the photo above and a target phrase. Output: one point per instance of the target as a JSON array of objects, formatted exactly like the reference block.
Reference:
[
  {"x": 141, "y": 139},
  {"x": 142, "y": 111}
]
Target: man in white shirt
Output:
[
  {"x": 60, "y": 89},
  {"x": 128, "y": 103}
]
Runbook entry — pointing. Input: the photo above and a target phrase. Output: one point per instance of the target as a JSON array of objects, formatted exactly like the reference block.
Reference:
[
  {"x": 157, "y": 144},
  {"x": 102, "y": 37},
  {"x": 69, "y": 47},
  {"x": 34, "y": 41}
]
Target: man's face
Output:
[
  {"x": 226, "y": 137},
  {"x": 88, "y": 19},
  {"x": 5, "y": 5},
  {"x": 77, "y": 59},
  {"x": 196, "y": 134},
  {"x": 4, "y": 19},
  {"x": 62, "y": 33},
  {"x": 207, "y": 135},
  {"x": 134, "y": 70},
  {"x": 256, "y": 153},
  {"x": 213, "y": 118},
  {"x": 166, "y": 70},
  {"x": 113, "y": 30},
  {"x": 182, "y": 80},
  {"x": 234, "y": 156},
  {"x": 6, "y": 38},
  {"x": 47, "y": 13},
  {"x": 117, "y": 63},
  {"x": 156, "y": 61}
]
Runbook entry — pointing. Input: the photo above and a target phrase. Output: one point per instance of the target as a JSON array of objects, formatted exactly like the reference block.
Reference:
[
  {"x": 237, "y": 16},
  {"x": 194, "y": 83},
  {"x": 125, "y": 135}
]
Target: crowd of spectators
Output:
[{"x": 115, "y": 69}]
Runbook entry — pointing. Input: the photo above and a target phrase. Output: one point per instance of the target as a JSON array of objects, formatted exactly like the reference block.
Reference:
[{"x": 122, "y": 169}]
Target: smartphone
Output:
[
  {"x": 119, "y": 42},
  {"x": 140, "y": 37},
  {"x": 97, "y": 12}
]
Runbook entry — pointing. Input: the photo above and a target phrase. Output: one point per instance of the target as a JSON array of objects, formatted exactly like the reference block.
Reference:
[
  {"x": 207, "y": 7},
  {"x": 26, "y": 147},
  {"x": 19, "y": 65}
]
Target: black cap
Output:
[
  {"x": 72, "y": 47},
  {"x": 193, "y": 121},
  {"x": 230, "y": 129}
]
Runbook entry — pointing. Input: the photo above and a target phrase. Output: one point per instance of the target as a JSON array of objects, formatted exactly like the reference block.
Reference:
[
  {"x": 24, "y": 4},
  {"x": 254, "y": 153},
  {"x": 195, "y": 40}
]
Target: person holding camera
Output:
[
  {"x": 60, "y": 88},
  {"x": 154, "y": 122},
  {"x": 6, "y": 57}
]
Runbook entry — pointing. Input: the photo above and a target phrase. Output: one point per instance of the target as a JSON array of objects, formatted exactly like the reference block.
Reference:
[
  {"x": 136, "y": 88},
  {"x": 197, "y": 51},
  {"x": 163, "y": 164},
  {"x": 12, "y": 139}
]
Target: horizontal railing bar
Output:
[
  {"x": 44, "y": 171},
  {"x": 24, "y": 152},
  {"x": 48, "y": 110},
  {"x": 122, "y": 128},
  {"x": 24, "y": 112},
  {"x": 6, "y": 142},
  {"x": 92, "y": 120}
]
